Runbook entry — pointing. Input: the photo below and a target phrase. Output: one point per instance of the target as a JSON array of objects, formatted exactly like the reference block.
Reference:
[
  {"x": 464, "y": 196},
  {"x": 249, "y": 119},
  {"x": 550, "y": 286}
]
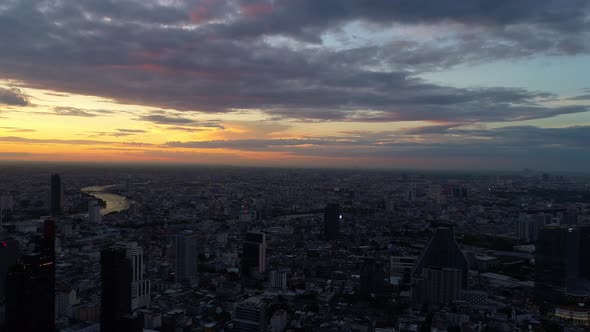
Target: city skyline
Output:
[{"x": 455, "y": 85}]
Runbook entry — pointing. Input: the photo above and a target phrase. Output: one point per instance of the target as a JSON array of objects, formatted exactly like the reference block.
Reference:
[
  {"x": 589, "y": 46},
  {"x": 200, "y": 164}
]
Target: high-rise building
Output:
[
  {"x": 529, "y": 226},
  {"x": 372, "y": 278},
  {"x": 569, "y": 218},
  {"x": 128, "y": 185},
  {"x": 8, "y": 258},
  {"x": 65, "y": 299},
  {"x": 6, "y": 204},
  {"x": 332, "y": 221},
  {"x": 187, "y": 258},
  {"x": 438, "y": 285},
  {"x": 442, "y": 266},
  {"x": 250, "y": 316},
  {"x": 57, "y": 195},
  {"x": 140, "y": 287},
  {"x": 278, "y": 279},
  {"x": 254, "y": 253},
  {"x": 116, "y": 277},
  {"x": 402, "y": 266},
  {"x": 561, "y": 261},
  {"x": 94, "y": 212},
  {"x": 30, "y": 296},
  {"x": 411, "y": 193}
]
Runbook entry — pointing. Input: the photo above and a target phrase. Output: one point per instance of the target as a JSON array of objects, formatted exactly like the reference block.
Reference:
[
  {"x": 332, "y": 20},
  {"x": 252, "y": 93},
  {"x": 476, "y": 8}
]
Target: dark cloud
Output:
[
  {"x": 132, "y": 131},
  {"x": 186, "y": 129},
  {"x": 213, "y": 56},
  {"x": 178, "y": 120},
  {"x": 13, "y": 97},
  {"x": 119, "y": 133},
  {"x": 581, "y": 97},
  {"x": 507, "y": 147},
  {"x": 17, "y": 139},
  {"x": 72, "y": 111}
]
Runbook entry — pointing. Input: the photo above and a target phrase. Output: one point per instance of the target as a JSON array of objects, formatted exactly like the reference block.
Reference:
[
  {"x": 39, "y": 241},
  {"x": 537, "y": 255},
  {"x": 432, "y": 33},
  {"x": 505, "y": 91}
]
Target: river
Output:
[{"x": 115, "y": 203}]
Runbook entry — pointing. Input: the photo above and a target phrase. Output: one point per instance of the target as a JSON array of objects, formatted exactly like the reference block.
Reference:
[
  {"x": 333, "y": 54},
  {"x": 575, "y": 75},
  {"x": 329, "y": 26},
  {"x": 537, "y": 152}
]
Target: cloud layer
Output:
[
  {"x": 216, "y": 56},
  {"x": 297, "y": 61}
]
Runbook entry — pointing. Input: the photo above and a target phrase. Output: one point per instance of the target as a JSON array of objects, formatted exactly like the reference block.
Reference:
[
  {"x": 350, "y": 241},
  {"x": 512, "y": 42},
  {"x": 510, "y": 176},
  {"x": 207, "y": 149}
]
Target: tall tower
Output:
[
  {"x": 187, "y": 259},
  {"x": 140, "y": 287},
  {"x": 254, "y": 253},
  {"x": 8, "y": 259},
  {"x": 116, "y": 277},
  {"x": 332, "y": 221},
  {"x": 30, "y": 296},
  {"x": 561, "y": 261},
  {"x": 441, "y": 272},
  {"x": 94, "y": 212},
  {"x": 57, "y": 195}
]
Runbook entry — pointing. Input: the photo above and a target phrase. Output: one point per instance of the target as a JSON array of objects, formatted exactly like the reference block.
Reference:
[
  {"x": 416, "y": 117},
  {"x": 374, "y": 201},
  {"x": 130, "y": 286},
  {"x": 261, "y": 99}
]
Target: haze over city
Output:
[{"x": 464, "y": 84}]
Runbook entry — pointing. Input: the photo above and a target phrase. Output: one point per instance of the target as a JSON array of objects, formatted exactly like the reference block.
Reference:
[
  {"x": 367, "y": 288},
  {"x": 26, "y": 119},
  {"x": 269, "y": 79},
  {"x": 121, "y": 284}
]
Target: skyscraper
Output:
[
  {"x": 442, "y": 267},
  {"x": 140, "y": 287},
  {"x": 187, "y": 259},
  {"x": 254, "y": 253},
  {"x": 30, "y": 296},
  {"x": 8, "y": 259},
  {"x": 94, "y": 212},
  {"x": 116, "y": 277},
  {"x": 372, "y": 278},
  {"x": 529, "y": 227},
  {"x": 561, "y": 261},
  {"x": 332, "y": 221},
  {"x": 250, "y": 316},
  {"x": 57, "y": 195}
]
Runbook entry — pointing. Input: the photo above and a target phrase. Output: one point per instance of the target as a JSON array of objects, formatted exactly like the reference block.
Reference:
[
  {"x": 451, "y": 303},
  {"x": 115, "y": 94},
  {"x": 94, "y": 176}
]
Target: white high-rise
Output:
[
  {"x": 187, "y": 259},
  {"x": 140, "y": 287},
  {"x": 94, "y": 212},
  {"x": 278, "y": 279}
]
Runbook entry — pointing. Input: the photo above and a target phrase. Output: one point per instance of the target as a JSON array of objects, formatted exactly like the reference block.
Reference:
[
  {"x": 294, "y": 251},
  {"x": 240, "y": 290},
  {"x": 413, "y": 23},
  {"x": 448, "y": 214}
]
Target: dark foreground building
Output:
[
  {"x": 332, "y": 221},
  {"x": 442, "y": 271},
  {"x": 116, "y": 276},
  {"x": 562, "y": 267},
  {"x": 57, "y": 195},
  {"x": 30, "y": 287},
  {"x": 30, "y": 299}
]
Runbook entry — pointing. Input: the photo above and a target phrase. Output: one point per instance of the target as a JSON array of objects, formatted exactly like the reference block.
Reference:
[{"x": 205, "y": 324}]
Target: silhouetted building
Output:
[
  {"x": 561, "y": 262},
  {"x": 250, "y": 316},
  {"x": 569, "y": 218},
  {"x": 30, "y": 296},
  {"x": 94, "y": 215},
  {"x": 187, "y": 259},
  {"x": 254, "y": 253},
  {"x": 8, "y": 258},
  {"x": 442, "y": 270},
  {"x": 372, "y": 278},
  {"x": 529, "y": 226},
  {"x": 57, "y": 195},
  {"x": 332, "y": 221},
  {"x": 116, "y": 277}
]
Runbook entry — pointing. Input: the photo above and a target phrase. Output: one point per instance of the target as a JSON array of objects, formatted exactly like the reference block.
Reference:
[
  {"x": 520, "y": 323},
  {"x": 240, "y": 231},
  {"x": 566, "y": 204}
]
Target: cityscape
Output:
[
  {"x": 294, "y": 165},
  {"x": 273, "y": 249}
]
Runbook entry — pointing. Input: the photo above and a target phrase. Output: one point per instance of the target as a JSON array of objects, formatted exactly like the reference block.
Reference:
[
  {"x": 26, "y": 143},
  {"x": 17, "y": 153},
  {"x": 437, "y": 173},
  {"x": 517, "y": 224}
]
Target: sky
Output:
[{"x": 447, "y": 84}]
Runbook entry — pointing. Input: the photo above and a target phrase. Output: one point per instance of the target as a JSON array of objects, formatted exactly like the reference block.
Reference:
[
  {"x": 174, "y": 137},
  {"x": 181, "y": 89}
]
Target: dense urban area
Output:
[{"x": 187, "y": 248}]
